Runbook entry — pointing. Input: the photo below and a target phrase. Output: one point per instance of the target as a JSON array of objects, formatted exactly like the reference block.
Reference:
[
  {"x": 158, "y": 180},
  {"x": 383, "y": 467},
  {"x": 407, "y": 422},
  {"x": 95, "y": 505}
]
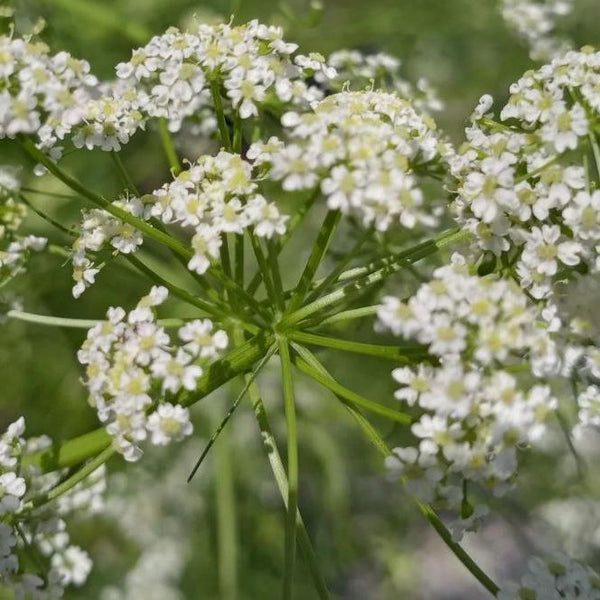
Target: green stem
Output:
[
  {"x": 292, "y": 471},
  {"x": 225, "y": 257},
  {"x": 276, "y": 276},
  {"x": 126, "y": 179},
  {"x": 74, "y": 323},
  {"x": 116, "y": 211},
  {"x": 226, "y": 519},
  {"x": 342, "y": 264},
  {"x": 463, "y": 556},
  {"x": 239, "y": 259},
  {"x": 177, "y": 291},
  {"x": 596, "y": 152},
  {"x": 47, "y": 218},
  {"x": 264, "y": 267},
  {"x": 242, "y": 294},
  {"x": 390, "y": 266},
  {"x": 539, "y": 170},
  {"x": 215, "y": 89},
  {"x": 316, "y": 256},
  {"x": 379, "y": 443},
  {"x": 283, "y": 240},
  {"x": 47, "y": 193},
  {"x": 169, "y": 147},
  {"x": 445, "y": 238},
  {"x": 350, "y": 396},
  {"x": 52, "y": 321},
  {"x": 566, "y": 430},
  {"x": 73, "y": 480},
  {"x": 237, "y": 133},
  {"x": 270, "y": 446},
  {"x": 403, "y": 354}
]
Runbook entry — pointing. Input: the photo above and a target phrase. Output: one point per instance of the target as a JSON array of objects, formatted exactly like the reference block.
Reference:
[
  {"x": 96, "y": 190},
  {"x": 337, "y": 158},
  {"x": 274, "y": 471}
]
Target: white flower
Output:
[
  {"x": 176, "y": 371},
  {"x": 169, "y": 423},
  {"x": 556, "y": 578},
  {"x": 544, "y": 248},
  {"x": 534, "y": 21},
  {"x": 201, "y": 340},
  {"x": 73, "y": 565},
  {"x": 12, "y": 489}
]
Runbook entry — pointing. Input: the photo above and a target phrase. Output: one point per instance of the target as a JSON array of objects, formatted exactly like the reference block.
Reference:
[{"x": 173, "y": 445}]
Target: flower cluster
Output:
[
  {"x": 41, "y": 94},
  {"x": 175, "y": 74},
  {"x": 522, "y": 185},
  {"x": 359, "y": 70},
  {"x": 558, "y": 578},
  {"x": 534, "y": 21},
  {"x": 217, "y": 195},
  {"x": 476, "y": 414},
  {"x": 37, "y": 536},
  {"x": 133, "y": 371},
  {"x": 14, "y": 247},
  {"x": 109, "y": 118},
  {"x": 99, "y": 228},
  {"x": 365, "y": 150}
]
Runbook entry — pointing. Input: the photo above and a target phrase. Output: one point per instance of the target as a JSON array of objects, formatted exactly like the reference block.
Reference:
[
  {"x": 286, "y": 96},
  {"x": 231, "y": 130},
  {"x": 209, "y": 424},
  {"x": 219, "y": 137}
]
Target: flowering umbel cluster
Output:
[
  {"x": 357, "y": 70},
  {"x": 134, "y": 373},
  {"x": 215, "y": 196},
  {"x": 535, "y": 22},
  {"x": 251, "y": 63},
  {"x": 41, "y": 94},
  {"x": 476, "y": 414},
  {"x": 488, "y": 343},
  {"x": 522, "y": 185},
  {"x": 37, "y": 559},
  {"x": 364, "y": 151}
]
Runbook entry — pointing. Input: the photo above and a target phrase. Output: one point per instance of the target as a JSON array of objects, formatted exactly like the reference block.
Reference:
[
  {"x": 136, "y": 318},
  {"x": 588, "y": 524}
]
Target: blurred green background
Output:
[{"x": 370, "y": 541}]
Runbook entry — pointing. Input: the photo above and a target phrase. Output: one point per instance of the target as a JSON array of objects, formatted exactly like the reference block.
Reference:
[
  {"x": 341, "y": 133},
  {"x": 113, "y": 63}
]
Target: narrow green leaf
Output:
[
  {"x": 279, "y": 244},
  {"x": 73, "y": 480},
  {"x": 390, "y": 265},
  {"x": 270, "y": 446},
  {"x": 252, "y": 376},
  {"x": 316, "y": 256},
  {"x": 352, "y": 397},
  {"x": 404, "y": 354},
  {"x": 292, "y": 471}
]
